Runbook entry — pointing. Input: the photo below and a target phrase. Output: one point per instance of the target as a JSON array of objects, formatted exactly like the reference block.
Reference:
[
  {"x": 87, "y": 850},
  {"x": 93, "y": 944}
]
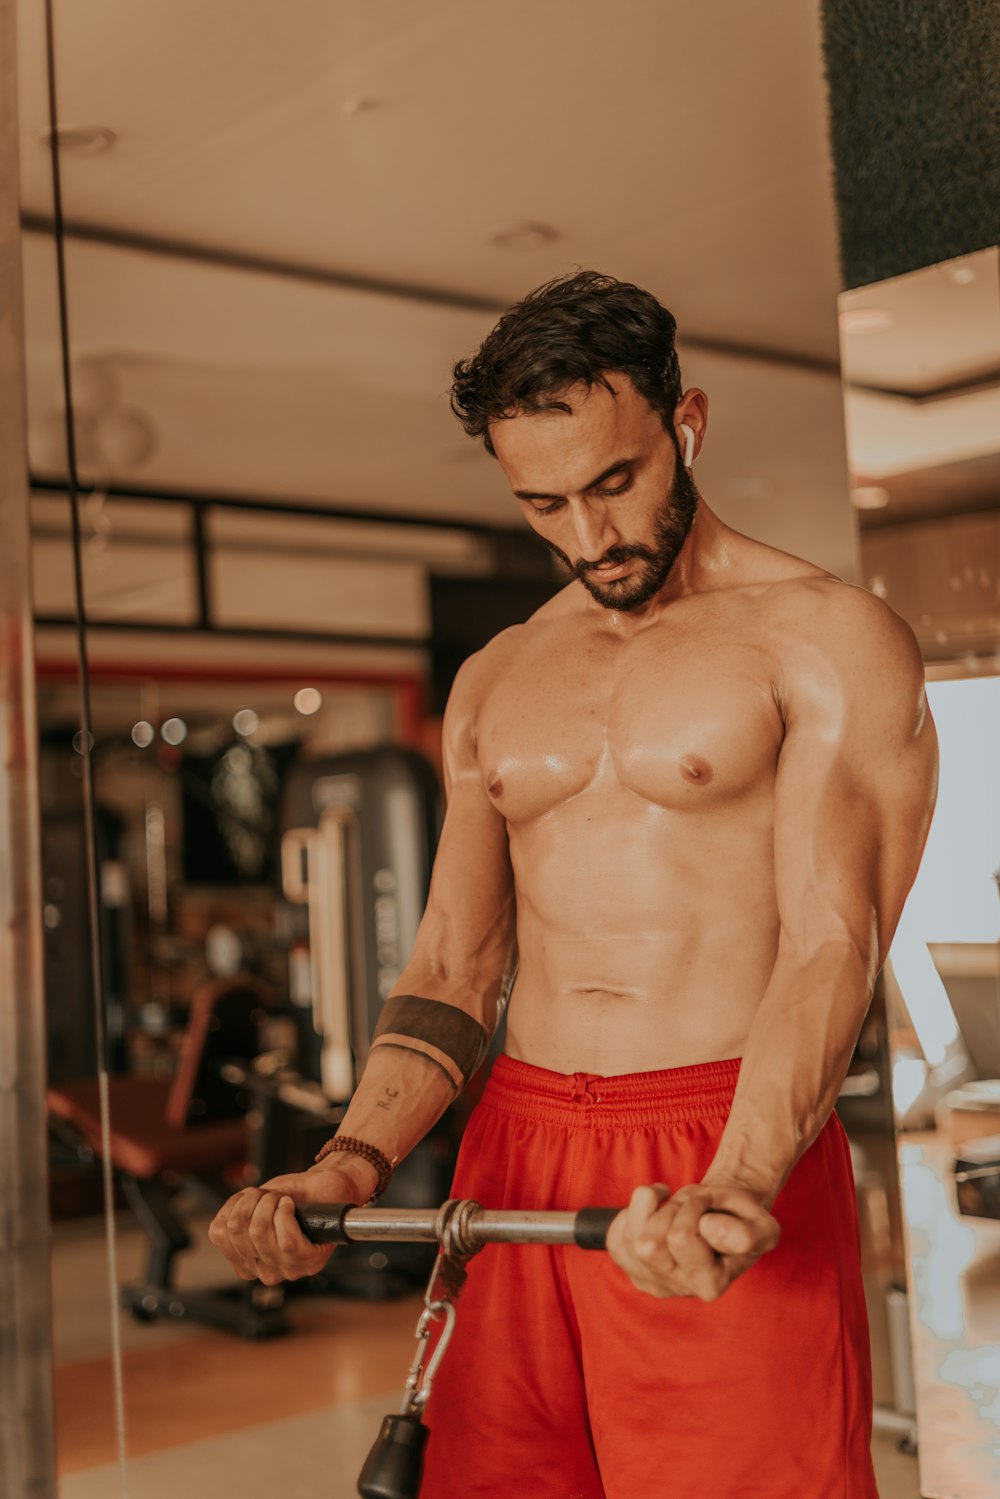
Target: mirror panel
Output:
[{"x": 921, "y": 356}]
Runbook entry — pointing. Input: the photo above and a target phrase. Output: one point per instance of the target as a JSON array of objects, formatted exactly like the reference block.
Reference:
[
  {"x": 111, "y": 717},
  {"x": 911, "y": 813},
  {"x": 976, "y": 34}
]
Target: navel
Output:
[{"x": 696, "y": 770}]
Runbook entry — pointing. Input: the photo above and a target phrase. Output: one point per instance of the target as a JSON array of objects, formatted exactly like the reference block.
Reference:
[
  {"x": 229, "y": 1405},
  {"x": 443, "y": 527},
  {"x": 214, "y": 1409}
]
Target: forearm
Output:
[
  {"x": 423, "y": 1053},
  {"x": 400, "y": 1096},
  {"x": 794, "y": 1062}
]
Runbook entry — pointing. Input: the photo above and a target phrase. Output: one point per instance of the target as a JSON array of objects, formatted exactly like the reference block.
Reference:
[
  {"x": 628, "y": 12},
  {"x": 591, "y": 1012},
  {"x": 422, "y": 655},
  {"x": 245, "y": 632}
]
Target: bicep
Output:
[
  {"x": 464, "y": 950},
  {"x": 472, "y": 885},
  {"x": 853, "y": 797}
]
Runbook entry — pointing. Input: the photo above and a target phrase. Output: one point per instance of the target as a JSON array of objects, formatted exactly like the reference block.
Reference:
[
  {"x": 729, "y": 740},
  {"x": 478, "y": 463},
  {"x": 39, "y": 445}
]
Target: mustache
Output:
[{"x": 613, "y": 555}]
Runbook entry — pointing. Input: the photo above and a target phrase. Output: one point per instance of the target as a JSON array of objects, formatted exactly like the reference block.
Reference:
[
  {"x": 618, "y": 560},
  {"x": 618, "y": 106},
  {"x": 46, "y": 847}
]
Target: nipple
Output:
[
  {"x": 495, "y": 786},
  {"x": 696, "y": 770}
]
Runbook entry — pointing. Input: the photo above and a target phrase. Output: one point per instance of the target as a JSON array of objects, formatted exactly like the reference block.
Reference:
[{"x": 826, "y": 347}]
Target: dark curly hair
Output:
[{"x": 578, "y": 327}]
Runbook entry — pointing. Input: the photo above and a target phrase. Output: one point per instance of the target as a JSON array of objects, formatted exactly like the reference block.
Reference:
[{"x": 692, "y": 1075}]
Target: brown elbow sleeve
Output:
[{"x": 444, "y": 1034}]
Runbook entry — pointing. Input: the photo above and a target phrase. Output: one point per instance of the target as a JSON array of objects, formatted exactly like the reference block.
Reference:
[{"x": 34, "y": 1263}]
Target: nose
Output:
[{"x": 593, "y": 529}]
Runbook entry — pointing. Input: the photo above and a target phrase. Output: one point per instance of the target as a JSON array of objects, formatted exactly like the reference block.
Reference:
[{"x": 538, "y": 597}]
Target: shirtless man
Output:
[{"x": 687, "y": 800}]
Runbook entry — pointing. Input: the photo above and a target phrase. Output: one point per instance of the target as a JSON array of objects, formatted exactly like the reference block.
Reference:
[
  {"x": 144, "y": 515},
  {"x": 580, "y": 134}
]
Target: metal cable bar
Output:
[{"x": 460, "y": 1227}]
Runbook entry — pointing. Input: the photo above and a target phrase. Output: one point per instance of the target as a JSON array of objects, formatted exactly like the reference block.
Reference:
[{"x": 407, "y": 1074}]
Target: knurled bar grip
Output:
[{"x": 342, "y": 1223}]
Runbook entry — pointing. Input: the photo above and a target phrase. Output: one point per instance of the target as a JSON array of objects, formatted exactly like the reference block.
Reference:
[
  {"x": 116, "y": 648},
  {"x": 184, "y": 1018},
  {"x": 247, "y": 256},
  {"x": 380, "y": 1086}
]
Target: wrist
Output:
[
  {"x": 742, "y": 1180},
  {"x": 362, "y": 1175},
  {"x": 363, "y": 1150}
]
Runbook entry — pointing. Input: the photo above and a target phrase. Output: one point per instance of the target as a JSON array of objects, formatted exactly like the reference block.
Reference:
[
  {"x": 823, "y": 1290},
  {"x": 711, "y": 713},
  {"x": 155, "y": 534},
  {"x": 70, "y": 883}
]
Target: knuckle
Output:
[
  {"x": 260, "y": 1229},
  {"x": 240, "y": 1211},
  {"x": 677, "y": 1240}
]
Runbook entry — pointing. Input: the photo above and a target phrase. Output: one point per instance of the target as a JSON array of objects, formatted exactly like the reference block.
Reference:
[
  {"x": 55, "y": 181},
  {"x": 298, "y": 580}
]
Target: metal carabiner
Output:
[{"x": 420, "y": 1381}]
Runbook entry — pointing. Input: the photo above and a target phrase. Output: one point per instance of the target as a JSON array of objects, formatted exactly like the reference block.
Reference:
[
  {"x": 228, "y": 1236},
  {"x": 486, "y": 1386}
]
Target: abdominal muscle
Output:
[{"x": 645, "y": 942}]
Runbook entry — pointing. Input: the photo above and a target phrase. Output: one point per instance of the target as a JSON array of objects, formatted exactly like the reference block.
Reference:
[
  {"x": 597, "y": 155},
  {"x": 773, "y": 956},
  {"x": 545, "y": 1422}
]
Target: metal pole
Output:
[
  {"x": 27, "y": 1447},
  {"x": 460, "y": 1226}
]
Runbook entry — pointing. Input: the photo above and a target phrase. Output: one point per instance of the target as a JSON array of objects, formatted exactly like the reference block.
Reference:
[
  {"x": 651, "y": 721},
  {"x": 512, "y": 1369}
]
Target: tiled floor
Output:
[{"x": 207, "y": 1414}]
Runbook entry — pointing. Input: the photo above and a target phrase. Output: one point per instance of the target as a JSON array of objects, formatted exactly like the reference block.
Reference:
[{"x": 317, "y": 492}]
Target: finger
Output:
[
  {"x": 743, "y": 1227},
  {"x": 726, "y": 1234},
  {"x": 650, "y": 1243},
  {"x": 263, "y": 1239},
  {"x": 227, "y": 1233},
  {"x": 621, "y": 1249},
  {"x": 245, "y": 1253},
  {"x": 642, "y": 1205},
  {"x": 296, "y": 1255},
  {"x": 651, "y": 1264},
  {"x": 738, "y": 1202},
  {"x": 694, "y": 1257}
]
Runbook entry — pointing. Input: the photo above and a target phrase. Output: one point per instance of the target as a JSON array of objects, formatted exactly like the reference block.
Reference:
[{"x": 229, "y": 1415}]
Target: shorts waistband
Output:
[{"x": 633, "y": 1100}]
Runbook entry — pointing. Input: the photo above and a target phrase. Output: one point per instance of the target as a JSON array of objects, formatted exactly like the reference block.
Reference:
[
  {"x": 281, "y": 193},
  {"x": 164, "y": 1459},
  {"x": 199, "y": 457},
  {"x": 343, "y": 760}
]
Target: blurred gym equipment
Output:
[{"x": 189, "y": 1130}]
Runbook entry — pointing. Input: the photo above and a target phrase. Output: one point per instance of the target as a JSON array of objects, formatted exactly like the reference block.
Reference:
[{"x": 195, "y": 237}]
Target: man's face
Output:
[{"x": 604, "y": 488}]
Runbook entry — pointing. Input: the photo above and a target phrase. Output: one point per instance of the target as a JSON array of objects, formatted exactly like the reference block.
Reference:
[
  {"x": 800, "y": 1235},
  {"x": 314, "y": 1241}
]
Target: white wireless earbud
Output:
[{"x": 688, "y": 445}]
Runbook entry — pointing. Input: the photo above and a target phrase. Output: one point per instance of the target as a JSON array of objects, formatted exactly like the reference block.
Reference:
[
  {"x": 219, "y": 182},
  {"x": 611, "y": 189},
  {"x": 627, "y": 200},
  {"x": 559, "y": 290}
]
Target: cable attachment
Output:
[
  {"x": 443, "y": 1289},
  {"x": 394, "y": 1466}
]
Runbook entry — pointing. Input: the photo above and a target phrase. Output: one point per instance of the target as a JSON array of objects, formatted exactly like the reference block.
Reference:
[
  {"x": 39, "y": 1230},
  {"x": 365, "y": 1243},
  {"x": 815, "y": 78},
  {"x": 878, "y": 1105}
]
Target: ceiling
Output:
[
  {"x": 681, "y": 146},
  {"x": 310, "y": 211},
  {"x": 920, "y": 355},
  {"x": 294, "y": 236}
]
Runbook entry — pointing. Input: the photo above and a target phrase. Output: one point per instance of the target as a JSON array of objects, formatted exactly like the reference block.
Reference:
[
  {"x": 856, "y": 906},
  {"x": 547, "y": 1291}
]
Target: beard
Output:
[{"x": 673, "y": 522}]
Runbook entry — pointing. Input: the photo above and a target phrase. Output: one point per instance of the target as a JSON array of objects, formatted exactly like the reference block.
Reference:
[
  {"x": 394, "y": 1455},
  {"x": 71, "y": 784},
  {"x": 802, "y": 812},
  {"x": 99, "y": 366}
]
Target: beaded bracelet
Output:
[{"x": 368, "y": 1153}]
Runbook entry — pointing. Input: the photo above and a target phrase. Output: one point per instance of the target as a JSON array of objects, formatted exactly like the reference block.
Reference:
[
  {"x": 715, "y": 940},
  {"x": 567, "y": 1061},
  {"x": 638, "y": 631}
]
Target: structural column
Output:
[{"x": 27, "y": 1462}]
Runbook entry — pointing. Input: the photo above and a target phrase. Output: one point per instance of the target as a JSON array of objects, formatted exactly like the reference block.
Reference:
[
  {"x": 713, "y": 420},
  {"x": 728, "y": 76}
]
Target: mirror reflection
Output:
[
  {"x": 288, "y": 548},
  {"x": 921, "y": 357}
]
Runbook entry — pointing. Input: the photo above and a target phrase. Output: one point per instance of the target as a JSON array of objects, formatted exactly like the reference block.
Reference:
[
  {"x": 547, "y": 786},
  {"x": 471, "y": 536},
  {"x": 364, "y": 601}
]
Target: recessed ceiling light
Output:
[
  {"x": 866, "y": 319},
  {"x": 961, "y": 272},
  {"x": 870, "y": 497},
  {"x": 81, "y": 140},
  {"x": 522, "y": 234},
  {"x": 359, "y": 104}
]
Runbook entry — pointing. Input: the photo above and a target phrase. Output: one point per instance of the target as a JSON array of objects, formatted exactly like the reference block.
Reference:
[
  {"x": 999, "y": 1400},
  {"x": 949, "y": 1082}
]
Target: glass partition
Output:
[{"x": 921, "y": 358}]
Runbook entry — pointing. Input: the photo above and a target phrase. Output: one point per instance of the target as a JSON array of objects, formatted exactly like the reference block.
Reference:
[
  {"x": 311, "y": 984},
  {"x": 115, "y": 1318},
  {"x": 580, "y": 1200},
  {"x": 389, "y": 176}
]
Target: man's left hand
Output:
[{"x": 692, "y": 1242}]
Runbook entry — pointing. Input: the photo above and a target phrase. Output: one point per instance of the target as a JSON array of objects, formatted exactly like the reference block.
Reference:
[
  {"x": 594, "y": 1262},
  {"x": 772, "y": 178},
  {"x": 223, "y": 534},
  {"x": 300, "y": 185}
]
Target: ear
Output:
[{"x": 690, "y": 422}]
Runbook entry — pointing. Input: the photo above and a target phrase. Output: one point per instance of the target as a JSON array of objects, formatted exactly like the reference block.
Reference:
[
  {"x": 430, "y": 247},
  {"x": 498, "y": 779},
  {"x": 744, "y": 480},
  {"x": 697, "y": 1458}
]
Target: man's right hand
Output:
[{"x": 256, "y": 1229}]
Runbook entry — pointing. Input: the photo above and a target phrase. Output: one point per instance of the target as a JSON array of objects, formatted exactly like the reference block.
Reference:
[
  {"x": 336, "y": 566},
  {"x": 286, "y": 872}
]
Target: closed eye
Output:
[
  {"x": 604, "y": 494},
  {"x": 621, "y": 489}
]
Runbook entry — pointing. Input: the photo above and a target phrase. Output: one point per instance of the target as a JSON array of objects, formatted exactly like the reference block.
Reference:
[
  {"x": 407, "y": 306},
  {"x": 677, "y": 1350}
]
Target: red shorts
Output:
[{"x": 565, "y": 1382}]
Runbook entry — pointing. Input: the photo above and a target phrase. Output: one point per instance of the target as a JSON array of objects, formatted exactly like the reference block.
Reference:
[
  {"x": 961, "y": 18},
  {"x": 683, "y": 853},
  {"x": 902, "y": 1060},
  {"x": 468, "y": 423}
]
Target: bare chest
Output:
[{"x": 681, "y": 724}]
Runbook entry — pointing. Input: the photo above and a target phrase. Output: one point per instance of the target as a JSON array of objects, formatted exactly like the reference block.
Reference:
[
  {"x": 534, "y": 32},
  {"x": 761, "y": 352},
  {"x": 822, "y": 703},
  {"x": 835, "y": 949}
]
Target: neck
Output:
[{"x": 701, "y": 565}]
